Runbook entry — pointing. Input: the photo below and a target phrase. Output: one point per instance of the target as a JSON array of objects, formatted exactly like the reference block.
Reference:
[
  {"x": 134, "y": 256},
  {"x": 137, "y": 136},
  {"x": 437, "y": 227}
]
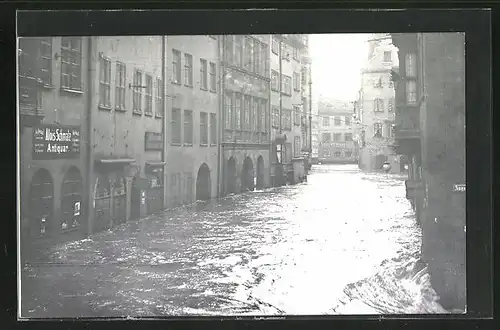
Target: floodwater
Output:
[{"x": 345, "y": 242}]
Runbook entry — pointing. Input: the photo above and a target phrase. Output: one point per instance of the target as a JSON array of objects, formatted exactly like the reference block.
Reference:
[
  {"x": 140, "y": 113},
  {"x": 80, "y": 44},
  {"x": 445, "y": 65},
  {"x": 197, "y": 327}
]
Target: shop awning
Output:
[
  {"x": 155, "y": 164},
  {"x": 115, "y": 161}
]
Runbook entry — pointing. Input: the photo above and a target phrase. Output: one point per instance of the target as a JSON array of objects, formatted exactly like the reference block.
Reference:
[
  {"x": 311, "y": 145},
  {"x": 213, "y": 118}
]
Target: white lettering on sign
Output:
[
  {"x": 459, "y": 188},
  {"x": 77, "y": 208}
]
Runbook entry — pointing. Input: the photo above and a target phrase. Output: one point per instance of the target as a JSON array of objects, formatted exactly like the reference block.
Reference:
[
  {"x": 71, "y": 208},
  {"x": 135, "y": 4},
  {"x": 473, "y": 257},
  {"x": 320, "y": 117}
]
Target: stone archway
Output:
[
  {"x": 71, "y": 204},
  {"x": 260, "y": 173},
  {"x": 247, "y": 175},
  {"x": 41, "y": 205},
  {"x": 230, "y": 176},
  {"x": 203, "y": 183}
]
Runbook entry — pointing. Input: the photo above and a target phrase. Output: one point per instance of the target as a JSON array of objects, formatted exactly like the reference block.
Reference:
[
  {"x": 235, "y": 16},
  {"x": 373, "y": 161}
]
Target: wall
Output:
[
  {"x": 184, "y": 161},
  {"x": 66, "y": 108}
]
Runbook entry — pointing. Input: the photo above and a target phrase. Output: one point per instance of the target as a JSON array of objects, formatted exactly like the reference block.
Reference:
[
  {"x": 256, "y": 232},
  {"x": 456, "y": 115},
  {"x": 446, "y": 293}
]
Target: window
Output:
[
  {"x": 238, "y": 44},
  {"x": 246, "y": 113},
  {"x": 213, "y": 77},
  {"x": 348, "y": 153},
  {"x": 229, "y": 110},
  {"x": 287, "y": 85},
  {"x": 254, "y": 116},
  {"x": 378, "y": 83},
  {"x": 149, "y": 96},
  {"x": 296, "y": 115},
  {"x": 337, "y": 154},
  {"x": 337, "y": 121},
  {"x": 137, "y": 92},
  {"x": 287, "y": 119},
  {"x": 296, "y": 53},
  {"x": 176, "y": 126},
  {"x": 264, "y": 113},
  {"x": 275, "y": 46},
  {"x": 377, "y": 130},
  {"x": 71, "y": 63},
  {"x": 188, "y": 70},
  {"x": 387, "y": 57},
  {"x": 378, "y": 105},
  {"x": 274, "y": 81},
  {"x": 410, "y": 65},
  {"x": 326, "y": 153},
  {"x": 348, "y": 137},
  {"x": 276, "y": 117},
  {"x": 46, "y": 61},
  {"x": 326, "y": 137},
  {"x": 411, "y": 92},
  {"x": 256, "y": 58},
  {"x": 229, "y": 49},
  {"x": 203, "y": 128},
  {"x": 347, "y": 120},
  {"x": 296, "y": 81},
  {"x": 296, "y": 146},
  {"x": 159, "y": 98},
  {"x": 248, "y": 55},
  {"x": 326, "y": 121},
  {"x": 213, "y": 129},
  {"x": 188, "y": 127},
  {"x": 176, "y": 66},
  {"x": 203, "y": 74},
  {"x": 237, "y": 111},
  {"x": 264, "y": 57},
  {"x": 391, "y": 105},
  {"x": 337, "y": 137},
  {"x": 120, "y": 86},
  {"x": 105, "y": 83},
  {"x": 389, "y": 130}
]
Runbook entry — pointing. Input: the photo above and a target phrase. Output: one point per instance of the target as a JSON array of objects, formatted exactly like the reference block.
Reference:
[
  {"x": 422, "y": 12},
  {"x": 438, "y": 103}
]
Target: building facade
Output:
[
  {"x": 53, "y": 128},
  {"x": 290, "y": 95},
  {"x": 245, "y": 145},
  {"x": 193, "y": 90},
  {"x": 376, "y": 111},
  {"x": 336, "y": 144},
  {"x": 430, "y": 132},
  {"x": 127, "y": 118}
]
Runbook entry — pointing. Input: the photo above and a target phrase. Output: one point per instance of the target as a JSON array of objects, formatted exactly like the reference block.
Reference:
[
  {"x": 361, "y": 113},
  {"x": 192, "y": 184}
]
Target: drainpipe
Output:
[
  {"x": 90, "y": 140},
  {"x": 221, "y": 41},
  {"x": 310, "y": 111},
  {"x": 163, "y": 120},
  {"x": 280, "y": 163}
]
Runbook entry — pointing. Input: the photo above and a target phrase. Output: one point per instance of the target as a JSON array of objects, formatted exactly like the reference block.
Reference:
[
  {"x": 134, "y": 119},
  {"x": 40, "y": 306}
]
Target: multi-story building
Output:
[
  {"x": 245, "y": 144},
  {"x": 53, "y": 96},
  {"x": 192, "y": 136},
  {"x": 430, "y": 131},
  {"x": 377, "y": 106},
  {"x": 336, "y": 144},
  {"x": 289, "y": 65},
  {"x": 127, "y": 119}
]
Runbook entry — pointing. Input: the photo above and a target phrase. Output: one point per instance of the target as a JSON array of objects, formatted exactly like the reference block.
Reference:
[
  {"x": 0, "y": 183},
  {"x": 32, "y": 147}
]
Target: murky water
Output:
[{"x": 345, "y": 242}]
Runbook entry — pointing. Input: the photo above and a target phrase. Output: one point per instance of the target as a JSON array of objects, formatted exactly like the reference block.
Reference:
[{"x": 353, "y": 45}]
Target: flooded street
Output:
[{"x": 345, "y": 242}]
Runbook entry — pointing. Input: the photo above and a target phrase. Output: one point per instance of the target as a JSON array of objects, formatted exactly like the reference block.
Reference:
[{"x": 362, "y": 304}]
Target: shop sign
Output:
[
  {"x": 56, "y": 142},
  {"x": 77, "y": 209},
  {"x": 143, "y": 197},
  {"x": 153, "y": 141},
  {"x": 459, "y": 188}
]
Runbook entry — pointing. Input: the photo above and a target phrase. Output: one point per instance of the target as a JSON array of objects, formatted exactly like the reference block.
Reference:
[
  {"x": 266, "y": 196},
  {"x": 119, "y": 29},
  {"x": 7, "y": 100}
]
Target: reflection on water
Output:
[{"x": 344, "y": 242}]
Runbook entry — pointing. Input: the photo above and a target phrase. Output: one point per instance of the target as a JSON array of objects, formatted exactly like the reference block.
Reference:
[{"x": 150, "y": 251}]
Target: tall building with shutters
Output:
[
  {"x": 245, "y": 127},
  {"x": 53, "y": 133},
  {"x": 376, "y": 108}
]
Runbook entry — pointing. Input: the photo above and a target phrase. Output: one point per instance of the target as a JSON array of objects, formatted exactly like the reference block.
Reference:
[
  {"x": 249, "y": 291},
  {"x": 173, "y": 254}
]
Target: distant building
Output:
[
  {"x": 376, "y": 108},
  {"x": 335, "y": 132},
  {"x": 430, "y": 133}
]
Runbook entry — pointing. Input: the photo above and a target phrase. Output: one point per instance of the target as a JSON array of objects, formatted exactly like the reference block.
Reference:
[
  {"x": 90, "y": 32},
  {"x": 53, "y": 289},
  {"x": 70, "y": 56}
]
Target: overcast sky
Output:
[{"x": 336, "y": 63}]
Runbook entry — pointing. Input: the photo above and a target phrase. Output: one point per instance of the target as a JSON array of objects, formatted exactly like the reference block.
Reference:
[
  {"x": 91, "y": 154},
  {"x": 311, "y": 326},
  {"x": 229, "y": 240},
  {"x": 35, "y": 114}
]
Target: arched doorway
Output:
[
  {"x": 102, "y": 204},
  {"x": 203, "y": 183},
  {"x": 119, "y": 200},
  {"x": 41, "y": 206},
  {"x": 260, "y": 173},
  {"x": 231, "y": 176},
  {"x": 247, "y": 175},
  {"x": 71, "y": 204}
]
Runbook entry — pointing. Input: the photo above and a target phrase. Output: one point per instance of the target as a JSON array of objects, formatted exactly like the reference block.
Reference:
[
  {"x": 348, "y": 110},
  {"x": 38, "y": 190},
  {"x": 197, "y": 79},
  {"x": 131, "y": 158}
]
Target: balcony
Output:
[{"x": 30, "y": 101}]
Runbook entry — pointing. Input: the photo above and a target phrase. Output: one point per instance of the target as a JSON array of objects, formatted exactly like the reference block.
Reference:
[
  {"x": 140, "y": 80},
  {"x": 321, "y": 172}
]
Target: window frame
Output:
[
  {"x": 203, "y": 74},
  {"x": 204, "y": 127},
  {"x": 408, "y": 94},
  {"x": 176, "y": 67},
  {"x": 213, "y": 77},
  {"x": 378, "y": 105},
  {"x": 46, "y": 71},
  {"x": 387, "y": 59},
  {"x": 104, "y": 82},
  {"x": 296, "y": 82},
  {"x": 380, "y": 129},
  {"x": 120, "y": 86},
  {"x": 188, "y": 70},
  {"x": 137, "y": 92},
  {"x": 275, "y": 81},
  {"x": 175, "y": 126},
  {"x": 213, "y": 128},
  {"x": 75, "y": 67},
  {"x": 188, "y": 128},
  {"x": 337, "y": 121},
  {"x": 159, "y": 99},
  {"x": 148, "y": 95},
  {"x": 229, "y": 110}
]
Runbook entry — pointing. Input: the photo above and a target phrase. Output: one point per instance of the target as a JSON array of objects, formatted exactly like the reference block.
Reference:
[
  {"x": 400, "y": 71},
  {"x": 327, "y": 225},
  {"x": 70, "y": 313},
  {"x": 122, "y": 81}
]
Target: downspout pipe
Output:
[
  {"x": 220, "y": 160},
  {"x": 90, "y": 142},
  {"x": 163, "y": 120}
]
